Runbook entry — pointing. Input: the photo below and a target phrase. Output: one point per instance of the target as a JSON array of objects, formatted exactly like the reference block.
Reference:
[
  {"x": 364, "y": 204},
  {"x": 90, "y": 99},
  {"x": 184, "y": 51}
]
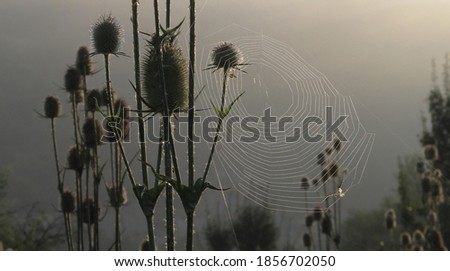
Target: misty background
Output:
[{"x": 376, "y": 52}]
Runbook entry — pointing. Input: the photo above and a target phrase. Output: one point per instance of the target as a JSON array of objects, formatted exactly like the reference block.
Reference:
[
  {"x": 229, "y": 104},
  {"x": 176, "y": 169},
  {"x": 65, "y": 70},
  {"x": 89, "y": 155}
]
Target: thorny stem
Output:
[
  {"x": 96, "y": 177},
  {"x": 191, "y": 112},
  {"x": 219, "y": 125}
]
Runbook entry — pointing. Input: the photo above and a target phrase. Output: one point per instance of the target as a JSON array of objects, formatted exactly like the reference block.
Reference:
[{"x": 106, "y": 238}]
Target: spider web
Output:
[{"x": 268, "y": 172}]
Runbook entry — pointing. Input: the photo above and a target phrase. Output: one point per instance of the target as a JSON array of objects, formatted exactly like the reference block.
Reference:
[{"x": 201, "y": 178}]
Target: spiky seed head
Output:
[
  {"x": 122, "y": 127},
  {"x": 52, "y": 107},
  {"x": 175, "y": 78},
  {"x": 105, "y": 96},
  {"x": 305, "y": 183},
  {"x": 318, "y": 213},
  {"x": 328, "y": 151},
  {"x": 327, "y": 225},
  {"x": 72, "y": 80},
  {"x": 106, "y": 35},
  {"x": 315, "y": 182},
  {"x": 437, "y": 192},
  {"x": 226, "y": 56},
  {"x": 431, "y": 152},
  {"x": 122, "y": 105},
  {"x": 433, "y": 218},
  {"x": 337, "y": 144},
  {"x": 307, "y": 240},
  {"x": 321, "y": 159},
  {"x": 84, "y": 62},
  {"x": 434, "y": 239},
  {"x": 92, "y": 132},
  {"x": 390, "y": 219},
  {"x": 90, "y": 212},
  {"x": 79, "y": 96},
  {"x": 325, "y": 174},
  {"x": 418, "y": 238},
  {"x": 405, "y": 240},
  {"x": 420, "y": 167},
  {"x": 67, "y": 202},
  {"x": 309, "y": 220},
  {"x": 74, "y": 159},
  {"x": 333, "y": 169},
  {"x": 117, "y": 196},
  {"x": 426, "y": 184},
  {"x": 94, "y": 97}
]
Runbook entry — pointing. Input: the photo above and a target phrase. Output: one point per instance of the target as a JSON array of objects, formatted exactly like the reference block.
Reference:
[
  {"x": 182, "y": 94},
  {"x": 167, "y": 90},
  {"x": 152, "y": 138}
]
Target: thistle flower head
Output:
[
  {"x": 305, "y": 183},
  {"x": 94, "y": 98},
  {"x": 106, "y": 35},
  {"x": 390, "y": 219},
  {"x": 92, "y": 132},
  {"x": 67, "y": 202},
  {"x": 72, "y": 80},
  {"x": 175, "y": 78},
  {"x": 52, "y": 107},
  {"x": 90, "y": 212},
  {"x": 74, "y": 159},
  {"x": 84, "y": 62},
  {"x": 226, "y": 56}
]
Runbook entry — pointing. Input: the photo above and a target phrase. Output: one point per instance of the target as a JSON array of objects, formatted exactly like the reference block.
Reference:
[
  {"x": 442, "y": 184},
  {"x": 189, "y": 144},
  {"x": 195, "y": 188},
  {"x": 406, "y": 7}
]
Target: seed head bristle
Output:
[{"x": 105, "y": 96}]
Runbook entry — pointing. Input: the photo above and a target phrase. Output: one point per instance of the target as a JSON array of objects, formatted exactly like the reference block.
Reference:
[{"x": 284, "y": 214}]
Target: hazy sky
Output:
[{"x": 376, "y": 52}]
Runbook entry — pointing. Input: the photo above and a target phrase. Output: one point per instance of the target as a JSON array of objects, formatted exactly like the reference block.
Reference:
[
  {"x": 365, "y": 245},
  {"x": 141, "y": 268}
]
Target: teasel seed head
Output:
[
  {"x": 106, "y": 35},
  {"x": 175, "y": 78},
  {"x": 72, "y": 80},
  {"x": 122, "y": 127},
  {"x": 307, "y": 240},
  {"x": 305, "y": 183},
  {"x": 420, "y": 167},
  {"x": 337, "y": 144},
  {"x": 92, "y": 132},
  {"x": 309, "y": 220},
  {"x": 333, "y": 169},
  {"x": 67, "y": 202},
  {"x": 390, "y": 219},
  {"x": 437, "y": 192},
  {"x": 321, "y": 159},
  {"x": 418, "y": 238},
  {"x": 94, "y": 98},
  {"x": 431, "y": 152},
  {"x": 315, "y": 182},
  {"x": 405, "y": 240},
  {"x": 89, "y": 206},
  {"x": 434, "y": 239},
  {"x": 79, "y": 96},
  {"x": 52, "y": 107},
  {"x": 117, "y": 198},
  {"x": 84, "y": 62},
  {"x": 318, "y": 213},
  {"x": 122, "y": 105},
  {"x": 327, "y": 225},
  {"x": 433, "y": 218},
  {"x": 328, "y": 151},
  {"x": 325, "y": 175},
  {"x": 74, "y": 159},
  {"x": 226, "y": 56}
]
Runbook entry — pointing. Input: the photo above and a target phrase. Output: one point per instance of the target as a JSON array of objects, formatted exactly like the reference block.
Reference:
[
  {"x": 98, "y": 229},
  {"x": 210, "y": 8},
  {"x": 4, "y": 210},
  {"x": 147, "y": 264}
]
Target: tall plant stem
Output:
[
  {"x": 191, "y": 112},
  {"x": 60, "y": 186},
  {"x": 167, "y": 13},
  {"x": 78, "y": 175},
  {"x": 137, "y": 79},
  {"x": 95, "y": 243},
  {"x": 219, "y": 125}
]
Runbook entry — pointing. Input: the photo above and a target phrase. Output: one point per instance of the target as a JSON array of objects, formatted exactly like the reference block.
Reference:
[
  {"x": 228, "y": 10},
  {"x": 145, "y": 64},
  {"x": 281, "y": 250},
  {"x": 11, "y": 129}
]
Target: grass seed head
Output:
[
  {"x": 418, "y": 238},
  {"x": 52, "y": 107}
]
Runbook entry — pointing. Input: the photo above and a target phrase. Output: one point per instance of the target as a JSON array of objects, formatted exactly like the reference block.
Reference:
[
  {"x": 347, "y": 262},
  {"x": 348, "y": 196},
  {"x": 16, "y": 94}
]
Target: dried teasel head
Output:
[
  {"x": 79, "y": 96},
  {"x": 94, "y": 98},
  {"x": 121, "y": 105},
  {"x": 117, "y": 197},
  {"x": 405, "y": 240},
  {"x": 305, "y": 183},
  {"x": 321, "y": 159},
  {"x": 418, "y": 238},
  {"x": 318, "y": 213},
  {"x": 434, "y": 239},
  {"x": 175, "y": 78},
  {"x": 390, "y": 219},
  {"x": 106, "y": 35},
  {"x": 431, "y": 152},
  {"x": 90, "y": 212},
  {"x": 337, "y": 144},
  {"x": 83, "y": 61},
  {"x": 122, "y": 127},
  {"x": 67, "y": 202},
  {"x": 226, "y": 56},
  {"x": 92, "y": 132},
  {"x": 315, "y": 182},
  {"x": 327, "y": 225},
  {"x": 309, "y": 220},
  {"x": 307, "y": 240},
  {"x": 105, "y": 96},
  {"x": 52, "y": 107},
  {"x": 333, "y": 169},
  {"x": 72, "y": 80},
  {"x": 74, "y": 159}
]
